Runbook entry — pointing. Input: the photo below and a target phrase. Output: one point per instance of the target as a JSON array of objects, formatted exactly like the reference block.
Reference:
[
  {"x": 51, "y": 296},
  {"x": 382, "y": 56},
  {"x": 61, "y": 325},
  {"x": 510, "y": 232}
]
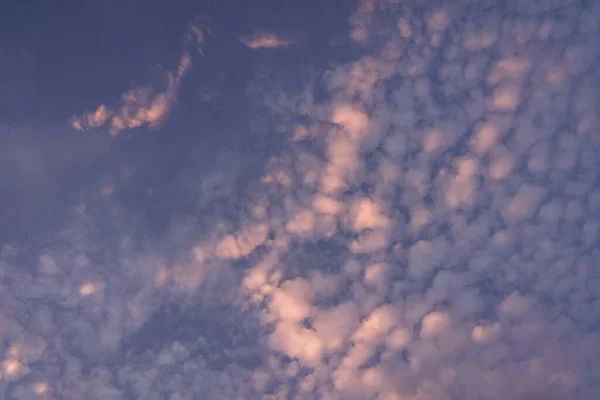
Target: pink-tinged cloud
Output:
[
  {"x": 361, "y": 21},
  {"x": 415, "y": 241},
  {"x": 92, "y": 119},
  {"x": 264, "y": 41},
  {"x": 142, "y": 105}
]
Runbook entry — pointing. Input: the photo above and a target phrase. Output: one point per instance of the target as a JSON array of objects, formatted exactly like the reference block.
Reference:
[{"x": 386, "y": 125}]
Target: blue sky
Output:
[{"x": 393, "y": 200}]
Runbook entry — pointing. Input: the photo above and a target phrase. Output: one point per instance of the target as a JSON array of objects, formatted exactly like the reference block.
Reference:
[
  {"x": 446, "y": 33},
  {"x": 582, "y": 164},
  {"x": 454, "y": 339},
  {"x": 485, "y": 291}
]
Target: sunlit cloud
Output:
[
  {"x": 41, "y": 387},
  {"x": 89, "y": 288},
  {"x": 93, "y": 119},
  {"x": 11, "y": 369},
  {"x": 144, "y": 105},
  {"x": 264, "y": 41},
  {"x": 416, "y": 238}
]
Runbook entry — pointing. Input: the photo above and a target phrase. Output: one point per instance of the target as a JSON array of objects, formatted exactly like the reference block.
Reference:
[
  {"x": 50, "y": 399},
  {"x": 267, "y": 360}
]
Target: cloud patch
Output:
[
  {"x": 143, "y": 105},
  {"x": 93, "y": 119},
  {"x": 264, "y": 40}
]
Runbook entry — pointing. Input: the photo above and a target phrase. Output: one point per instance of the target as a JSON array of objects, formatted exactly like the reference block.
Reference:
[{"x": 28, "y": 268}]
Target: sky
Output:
[{"x": 367, "y": 199}]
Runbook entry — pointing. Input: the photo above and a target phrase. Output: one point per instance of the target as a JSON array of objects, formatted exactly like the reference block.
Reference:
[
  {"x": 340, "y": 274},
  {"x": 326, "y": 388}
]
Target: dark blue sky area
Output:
[{"x": 65, "y": 56}]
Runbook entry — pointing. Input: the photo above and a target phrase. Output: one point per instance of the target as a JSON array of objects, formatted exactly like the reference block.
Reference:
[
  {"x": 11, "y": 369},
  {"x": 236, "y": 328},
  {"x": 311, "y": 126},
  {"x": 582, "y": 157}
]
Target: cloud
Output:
[
  {"x": 414, "y": 239},
  {"x": 92, "y": 120},
  {"x": 361, "y": 21},
  {"x": 143, "y": 105},
  {"x": 264, "y": 41}
]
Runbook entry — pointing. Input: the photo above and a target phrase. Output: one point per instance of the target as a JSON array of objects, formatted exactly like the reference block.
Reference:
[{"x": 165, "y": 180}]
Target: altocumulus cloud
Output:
[{"x": 431, "y": 233}]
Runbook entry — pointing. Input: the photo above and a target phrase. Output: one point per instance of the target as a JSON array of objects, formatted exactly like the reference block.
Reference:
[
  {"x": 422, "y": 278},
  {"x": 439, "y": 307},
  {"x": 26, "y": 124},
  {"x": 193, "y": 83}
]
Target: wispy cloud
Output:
[
  {"x": 141, "y": 105},
  {"x": 144, "y": 105},
  {"x": 264, "y": 41},
  {"x": 91, "y": 120}
]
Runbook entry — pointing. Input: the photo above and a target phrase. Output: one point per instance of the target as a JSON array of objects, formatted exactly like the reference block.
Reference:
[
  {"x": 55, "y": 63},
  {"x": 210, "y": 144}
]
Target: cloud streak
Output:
[{"x": 264, "y": 41}]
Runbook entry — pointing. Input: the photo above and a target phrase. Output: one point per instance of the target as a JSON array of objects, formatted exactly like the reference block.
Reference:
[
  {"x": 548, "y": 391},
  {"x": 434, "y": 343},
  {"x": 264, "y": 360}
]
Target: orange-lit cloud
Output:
[
  {"x": 143, "y": 105},
  {"x": 393, "y": 251},
  {"x": 140, "y": 106},
  {"x": 264, "y": 41},
  {"x": 92, "y": 119}
]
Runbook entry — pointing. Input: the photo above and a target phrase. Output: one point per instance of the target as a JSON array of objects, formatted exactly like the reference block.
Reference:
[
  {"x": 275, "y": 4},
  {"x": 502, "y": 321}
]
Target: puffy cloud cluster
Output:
[{"x": 430, "y": 233}]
